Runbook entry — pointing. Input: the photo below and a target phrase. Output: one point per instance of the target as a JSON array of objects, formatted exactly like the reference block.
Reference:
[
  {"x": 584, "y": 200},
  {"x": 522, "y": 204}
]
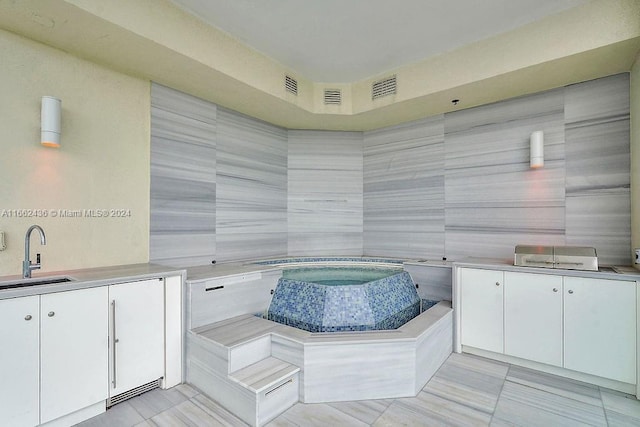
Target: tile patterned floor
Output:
[{"x": 466, "y": 391}]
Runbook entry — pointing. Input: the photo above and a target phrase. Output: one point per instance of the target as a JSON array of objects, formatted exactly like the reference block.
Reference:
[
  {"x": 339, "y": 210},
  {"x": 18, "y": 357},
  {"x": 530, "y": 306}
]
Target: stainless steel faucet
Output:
[{"x": 27, "y": 267}]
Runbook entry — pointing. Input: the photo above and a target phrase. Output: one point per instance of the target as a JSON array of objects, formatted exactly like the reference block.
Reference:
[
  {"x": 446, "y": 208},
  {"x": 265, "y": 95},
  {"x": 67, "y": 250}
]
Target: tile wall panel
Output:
[
  {"x": 404, "y": 190},
  {"x": 453, "y": 186},
  {"x": 493, "y": 200},
  {"x": 325, "y": 207},
  {"x": 598, "y": 167},
  {"x": 251, "y": 198},
  {"x": 183, "y": 178}
]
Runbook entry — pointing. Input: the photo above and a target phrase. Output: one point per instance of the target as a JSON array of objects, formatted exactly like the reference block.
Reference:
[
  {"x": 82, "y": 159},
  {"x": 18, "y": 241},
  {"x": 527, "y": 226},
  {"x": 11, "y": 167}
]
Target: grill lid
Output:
[{"x": 565, "y": 257}]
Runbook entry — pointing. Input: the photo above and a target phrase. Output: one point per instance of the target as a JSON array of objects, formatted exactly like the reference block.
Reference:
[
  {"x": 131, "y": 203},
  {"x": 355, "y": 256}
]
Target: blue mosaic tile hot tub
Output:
[{"x": 386, "y": 303}]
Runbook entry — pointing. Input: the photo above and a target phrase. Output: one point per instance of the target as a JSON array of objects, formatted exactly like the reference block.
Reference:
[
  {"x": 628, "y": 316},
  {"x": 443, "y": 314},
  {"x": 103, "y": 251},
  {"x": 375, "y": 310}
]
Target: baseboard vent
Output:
[
  {"x": 384, "y": 87},
  {"x": 332, "y": 96},
  {"x": 291, "y": 84},
  {"x": 133, "y": 393}
]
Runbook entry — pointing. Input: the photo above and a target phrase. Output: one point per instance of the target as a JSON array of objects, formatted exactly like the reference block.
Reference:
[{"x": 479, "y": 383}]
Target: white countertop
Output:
[
  {"x": 89, "y": 278},
  {"x": 627, "y": 273}
]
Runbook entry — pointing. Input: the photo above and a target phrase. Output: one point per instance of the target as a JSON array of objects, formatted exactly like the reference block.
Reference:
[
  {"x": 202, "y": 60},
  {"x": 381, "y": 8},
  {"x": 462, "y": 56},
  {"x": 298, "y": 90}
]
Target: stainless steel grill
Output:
[{"x": 564, "y": 257}]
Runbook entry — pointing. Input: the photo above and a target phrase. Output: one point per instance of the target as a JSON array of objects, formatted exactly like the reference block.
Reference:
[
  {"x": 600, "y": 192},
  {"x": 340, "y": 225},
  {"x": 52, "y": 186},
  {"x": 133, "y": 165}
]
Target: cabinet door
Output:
[
  {"x": 73, "y": 351},
  {"x": 137, "y": 317},
  {"x": 481, "y": 309},
  {"x": 20, "y": 356},
  {"x": 533, "y": 317},
  {"x": 600, "y": 327}
]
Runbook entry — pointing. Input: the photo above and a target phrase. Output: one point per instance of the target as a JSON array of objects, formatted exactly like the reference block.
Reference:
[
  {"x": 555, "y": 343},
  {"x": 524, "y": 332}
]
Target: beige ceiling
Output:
[
  {"x": 347, "y": 41},
  {"x": 156, "y": 40}
]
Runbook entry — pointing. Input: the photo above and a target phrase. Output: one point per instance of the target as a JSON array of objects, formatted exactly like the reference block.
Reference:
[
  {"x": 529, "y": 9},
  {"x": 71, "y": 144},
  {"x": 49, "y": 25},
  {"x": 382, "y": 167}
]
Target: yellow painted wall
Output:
[
  {"x": 635, "y": 154},
  {"x": 103, "y": 162}
]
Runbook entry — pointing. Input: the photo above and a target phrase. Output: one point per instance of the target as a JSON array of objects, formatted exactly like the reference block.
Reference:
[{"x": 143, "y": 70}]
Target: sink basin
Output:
[{"x": 33, "y": 282}]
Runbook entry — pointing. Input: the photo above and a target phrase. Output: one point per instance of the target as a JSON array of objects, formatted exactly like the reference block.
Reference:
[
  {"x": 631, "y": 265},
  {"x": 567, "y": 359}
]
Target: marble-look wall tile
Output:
[
  {"x": 598, "y": 167},
  {"x": 229, "y": 187},
  {"x": 433, "y": 282},
  {"x": 493, "y": 200},
  {"x": 251, "y": 197},
  {"x": 325, "y": 193},
  {"x": 404, "y": 190},
  {"x": 183, "y": 178}
]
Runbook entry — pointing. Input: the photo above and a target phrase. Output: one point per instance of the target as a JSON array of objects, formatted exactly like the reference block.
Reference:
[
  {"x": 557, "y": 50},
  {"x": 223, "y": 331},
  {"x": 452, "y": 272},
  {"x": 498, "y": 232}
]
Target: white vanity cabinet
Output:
[
  {"x": 600, "y": 327},
  {"x": 55, "y": 350},
  {"x": 73, "y": 351},
  {"x": 136, "y": 334},
  {"x": 581, "y": 327},
  {"x": 20, "y": 361},
  {"x": 533, "y": 317},
  {"x": 482, "y": 309},
  {"x": 54, "y": 355}
]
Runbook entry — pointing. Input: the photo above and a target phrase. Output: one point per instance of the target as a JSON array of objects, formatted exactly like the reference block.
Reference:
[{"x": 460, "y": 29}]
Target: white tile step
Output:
[{"x": 265, "y": 374}]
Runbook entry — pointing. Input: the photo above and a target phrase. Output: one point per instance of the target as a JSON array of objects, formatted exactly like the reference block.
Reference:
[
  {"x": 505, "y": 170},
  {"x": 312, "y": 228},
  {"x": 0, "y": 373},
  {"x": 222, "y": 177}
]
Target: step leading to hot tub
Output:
[{"x": 257, "y": 393}]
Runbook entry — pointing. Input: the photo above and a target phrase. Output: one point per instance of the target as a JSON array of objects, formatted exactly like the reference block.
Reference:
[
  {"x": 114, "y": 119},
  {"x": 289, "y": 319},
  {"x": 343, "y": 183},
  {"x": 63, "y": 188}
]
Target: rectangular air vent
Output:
[
  {"x": 332, "y": 97},
  {"x": 383, "y": 87},
  {"x": 114, "y": 400},
  {"x": 291, "y": 84}
]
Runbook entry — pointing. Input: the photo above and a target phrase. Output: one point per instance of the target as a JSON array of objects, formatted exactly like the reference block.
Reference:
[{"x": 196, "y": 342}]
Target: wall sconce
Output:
[
  {"x": 536, "y": 157},
  {"x": 50, "y": 121}
]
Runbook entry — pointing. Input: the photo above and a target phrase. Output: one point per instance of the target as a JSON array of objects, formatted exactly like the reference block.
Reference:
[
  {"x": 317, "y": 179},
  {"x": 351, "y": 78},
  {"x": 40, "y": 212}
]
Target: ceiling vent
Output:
[
  {"x": 384, "y": 87},
  {"x": 332, "y": 97},
  {"x": 291, "y": 84}
]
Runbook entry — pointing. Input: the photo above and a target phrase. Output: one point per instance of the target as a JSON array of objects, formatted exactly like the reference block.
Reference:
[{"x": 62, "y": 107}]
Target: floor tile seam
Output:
[
  {"x": 489, "y": 371},
  {"x": 192, "y": 388},
  {"x": 334, "y": 407},
  {"x": 550, "y": 389},
  {"x": 461, "y": 403},
  {"x": 556, "y": 395},
  {"x": 553, "y": 413},
  {"x": 411, "y": 409},
  {"x": 606, "y": 417},
  {"x": 482, "y": 385},
  {"x": 173, "y": 412},
  {"x": 550, "y": 411},
  {"x": 382, "y": 413},
  {"x": 204, "y": 412},
  {"x": 218, "y": 416},
  {"x": 348, "y": 415},
  {"x": 607, "y": 410},
  {"x": 493, "y": 414},
  {"x": 138, "y": 412},
  {"x": 485, "y": 409},
  {"x": 284, "y": 414}
]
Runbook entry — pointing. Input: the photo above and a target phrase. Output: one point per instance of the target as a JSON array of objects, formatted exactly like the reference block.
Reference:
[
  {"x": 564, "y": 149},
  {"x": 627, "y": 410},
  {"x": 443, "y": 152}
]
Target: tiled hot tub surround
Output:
[
  {"x": 387, "y": 303},
  {"x": 318, "y": 260}
]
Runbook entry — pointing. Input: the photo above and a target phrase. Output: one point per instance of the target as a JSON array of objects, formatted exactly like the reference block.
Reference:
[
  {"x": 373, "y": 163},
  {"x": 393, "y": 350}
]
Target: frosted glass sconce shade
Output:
[
  {"x": 50, "y": 121},
  {"x": 536, "y": 157}
]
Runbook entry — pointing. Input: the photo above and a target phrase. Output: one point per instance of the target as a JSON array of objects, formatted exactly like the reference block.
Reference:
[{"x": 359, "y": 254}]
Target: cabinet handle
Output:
[
  {"x": 555, "y": 289},
  {"x": 276, "y": 388},
  {"x": 497, "y": 283},
  {"x": 52, "y": 313},
  {"x": 114, "y": 340},
  {"x": 570, "y": 291},
  {"x": 214, "y": 288},
  {"x": 28, "y": 317}
]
